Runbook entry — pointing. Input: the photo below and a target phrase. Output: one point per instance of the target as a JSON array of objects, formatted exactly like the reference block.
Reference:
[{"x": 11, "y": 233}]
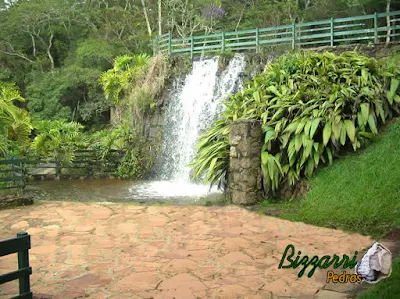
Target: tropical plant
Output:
[
  {"x": 211, "y": 160},
  {"x": 126, "y": 69},
  {"x": 104, "y": 141},
  {"x": 134, "y": 163},
  {"x": 312, "y": 107},
  {"x": 14, "y": 122},
  {"x": 58, "y": 139}
]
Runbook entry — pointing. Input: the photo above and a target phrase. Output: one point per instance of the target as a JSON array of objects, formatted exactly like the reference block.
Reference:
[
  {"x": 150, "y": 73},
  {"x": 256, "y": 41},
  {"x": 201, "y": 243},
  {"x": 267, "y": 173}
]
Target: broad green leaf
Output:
[
  {"x": 301, "y": 125},
  {"x": 271, "y": 168},
  {"x": 365, "y": 111},
  {"x": 307, "y": 128},
  {"x": 211, "y": 168},
  {"x": 291, "y": 84},
  {"x": 364, "y": 74},
  {"x": 326, "y": 133},
  {"x": 264, "y": 158},
  {"x": 336, "y": 129},
  {"x": 307, "y": 151},
  {"x": 329, "y": 153},
  {"x": 278, "y": 127},
  {"x": 379, "y": 111},
  {"x": 268, "y": 136},
  {"x": 285, "y": 139},
  {"x": 343, "y": 136},
  {"x": 256, "y": 96},
  {"x": 267, "y": 128},
  {"x": 350, "y": 129},
  {"x": 310, "y": 167},
  {"x": 274, "y": 90},
  {"x": 316, "y": 158},
  {"x": 292, "y": 127},
  {"x": 372, "y": 125},
  {"x": 314, "y": 127},
  {"x": 394, "y": 85},
  {"x": 298, "y": 142}
]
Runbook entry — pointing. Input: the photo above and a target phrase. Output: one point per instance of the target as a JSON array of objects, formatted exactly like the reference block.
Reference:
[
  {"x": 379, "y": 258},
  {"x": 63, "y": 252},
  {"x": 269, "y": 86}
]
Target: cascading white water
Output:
[
  {"x": 186, "y": 116},
  {"x": 191, "y": 110}
]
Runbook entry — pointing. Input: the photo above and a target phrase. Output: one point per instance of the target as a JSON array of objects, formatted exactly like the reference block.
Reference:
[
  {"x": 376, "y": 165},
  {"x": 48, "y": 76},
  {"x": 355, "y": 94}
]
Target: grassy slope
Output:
[
  {"x": 359, "y": 192},
  {"x": 388, "y": 288}
]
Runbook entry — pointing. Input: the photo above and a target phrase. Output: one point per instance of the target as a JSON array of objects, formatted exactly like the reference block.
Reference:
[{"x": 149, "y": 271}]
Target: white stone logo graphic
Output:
[{"x": 376, "y": 264}]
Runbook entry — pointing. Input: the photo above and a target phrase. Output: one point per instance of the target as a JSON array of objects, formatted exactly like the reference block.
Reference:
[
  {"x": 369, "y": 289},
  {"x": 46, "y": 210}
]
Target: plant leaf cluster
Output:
[{"x": 313, "y": 107}]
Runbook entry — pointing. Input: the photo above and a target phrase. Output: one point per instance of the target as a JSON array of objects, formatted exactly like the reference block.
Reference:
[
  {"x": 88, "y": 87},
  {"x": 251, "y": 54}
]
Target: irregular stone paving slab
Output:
[{"x": 125, "y": 251}]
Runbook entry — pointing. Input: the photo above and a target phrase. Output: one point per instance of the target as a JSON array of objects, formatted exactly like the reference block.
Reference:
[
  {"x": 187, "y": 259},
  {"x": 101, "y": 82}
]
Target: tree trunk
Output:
[
  {"x": 240, "y": 18},
  {"x": 48, "y": 51},
  {"x": 388, "y": 22},
  {"x": 147, "y": 18},
  {"x": 159, "y": 18}
]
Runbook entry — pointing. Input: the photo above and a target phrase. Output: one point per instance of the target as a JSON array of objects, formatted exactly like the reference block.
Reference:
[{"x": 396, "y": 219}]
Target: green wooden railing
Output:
[
  {"x": 85, "y": 162},
  {"x": 12, "y": 174},
  {"x": 15, "y": 172},
  {"x": 335, "y": 31},
  {"x": 21, "y": 244}
]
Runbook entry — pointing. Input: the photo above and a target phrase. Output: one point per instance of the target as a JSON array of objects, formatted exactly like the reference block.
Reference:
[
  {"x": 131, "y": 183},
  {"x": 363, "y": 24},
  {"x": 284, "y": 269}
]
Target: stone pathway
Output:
[{"x": 125, "y": 251}]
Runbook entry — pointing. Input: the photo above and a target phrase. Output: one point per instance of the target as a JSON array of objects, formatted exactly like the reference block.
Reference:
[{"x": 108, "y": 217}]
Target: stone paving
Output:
[{"x": 126, "y": 251}]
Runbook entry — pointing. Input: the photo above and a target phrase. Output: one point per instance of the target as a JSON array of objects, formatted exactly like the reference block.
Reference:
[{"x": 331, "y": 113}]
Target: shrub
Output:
[
  {"x": 15, "y": 123},
  {"x": 312, "y": 107},
  {"x": 58, "y": 139},
  {"x": 135, "y": 162}
]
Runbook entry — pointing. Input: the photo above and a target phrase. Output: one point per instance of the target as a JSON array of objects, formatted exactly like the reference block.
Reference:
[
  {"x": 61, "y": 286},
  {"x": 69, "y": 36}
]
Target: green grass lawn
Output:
[
  {"x": 388, "y": 288},
  {"x": 359, "y": 192}
]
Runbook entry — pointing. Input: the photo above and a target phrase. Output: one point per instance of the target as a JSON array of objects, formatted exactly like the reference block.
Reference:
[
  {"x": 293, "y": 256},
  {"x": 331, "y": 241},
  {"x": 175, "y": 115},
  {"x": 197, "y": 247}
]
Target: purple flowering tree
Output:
[{"x": 210, "y": 15}]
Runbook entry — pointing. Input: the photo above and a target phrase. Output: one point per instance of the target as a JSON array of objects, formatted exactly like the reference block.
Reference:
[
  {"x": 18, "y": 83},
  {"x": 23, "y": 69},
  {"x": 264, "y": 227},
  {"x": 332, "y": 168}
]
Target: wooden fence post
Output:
[
  {"x": 156, "y": 45},
  {"x": 169, "y": 43},
  {"x": 23, "y": 262},
  {"x": 22, "y": 173},
  {"x": 257, "y": 41},
  {"x": 222, "y": 42},
  {"x": 376, "y": 39},
  {"x": 332, "y": 32},
  {"x": 294, "y": 36},
  {"x": 191, "y": 47},
  {"x": 58, "y": 169}
]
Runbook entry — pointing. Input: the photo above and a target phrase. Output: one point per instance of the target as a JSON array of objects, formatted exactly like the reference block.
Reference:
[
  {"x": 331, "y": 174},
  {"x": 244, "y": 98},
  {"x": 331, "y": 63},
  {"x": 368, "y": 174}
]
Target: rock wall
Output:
[{"x": 244, "y": 179}]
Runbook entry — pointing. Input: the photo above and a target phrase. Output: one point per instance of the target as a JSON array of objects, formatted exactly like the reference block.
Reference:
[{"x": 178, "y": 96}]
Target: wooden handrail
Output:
[
  {"x": 319, "y": 33},
  {"x": 21, "y": 245}
]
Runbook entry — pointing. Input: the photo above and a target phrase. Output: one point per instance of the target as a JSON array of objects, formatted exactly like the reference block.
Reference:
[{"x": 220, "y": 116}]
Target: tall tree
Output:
[
  {"x": 159, "y": 18},
  {"x": 149, "y": 30}
]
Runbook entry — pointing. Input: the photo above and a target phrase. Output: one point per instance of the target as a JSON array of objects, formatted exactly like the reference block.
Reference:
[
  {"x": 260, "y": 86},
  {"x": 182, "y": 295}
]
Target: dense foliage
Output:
[
  {"x": 313, "y": 107},
  {"x": 58, "y": 139},
  {"x": 56, "y": 50},
  {"x": 15, "y": 124},
  {"x": 78, "y": 63}
]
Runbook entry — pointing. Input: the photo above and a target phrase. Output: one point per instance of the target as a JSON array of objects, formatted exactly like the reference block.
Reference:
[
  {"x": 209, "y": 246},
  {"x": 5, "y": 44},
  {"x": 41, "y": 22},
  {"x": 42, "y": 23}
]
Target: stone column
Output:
[{"x": 245, "y": 162}]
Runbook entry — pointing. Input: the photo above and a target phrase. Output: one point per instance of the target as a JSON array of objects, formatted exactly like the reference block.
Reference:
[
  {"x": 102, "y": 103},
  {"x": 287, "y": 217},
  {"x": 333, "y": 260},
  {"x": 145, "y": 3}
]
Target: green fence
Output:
[
  {"x": 335, "y": 31},
  {"x": 12, "y": 174},
  {"x": 21, "y": 244},
  {"x": 85, "y": 163},
  {"x": 15, "y": 172}
]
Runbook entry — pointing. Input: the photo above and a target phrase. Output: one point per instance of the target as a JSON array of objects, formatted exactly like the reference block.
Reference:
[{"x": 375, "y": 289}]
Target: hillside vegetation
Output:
[
  {"x": 312, "y": 107},
  {"x": 56, "y": 50},
  {"x": 359, "y": 192}
]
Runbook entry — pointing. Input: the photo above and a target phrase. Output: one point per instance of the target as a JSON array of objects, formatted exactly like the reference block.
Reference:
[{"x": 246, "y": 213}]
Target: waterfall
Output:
[
  {"x": 192, "y": 110},
  {"x": 193, "y": 106}
]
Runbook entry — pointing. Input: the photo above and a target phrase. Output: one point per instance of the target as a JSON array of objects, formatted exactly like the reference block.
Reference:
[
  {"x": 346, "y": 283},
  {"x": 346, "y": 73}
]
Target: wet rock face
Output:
[{"x": 245, "y": 160}]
